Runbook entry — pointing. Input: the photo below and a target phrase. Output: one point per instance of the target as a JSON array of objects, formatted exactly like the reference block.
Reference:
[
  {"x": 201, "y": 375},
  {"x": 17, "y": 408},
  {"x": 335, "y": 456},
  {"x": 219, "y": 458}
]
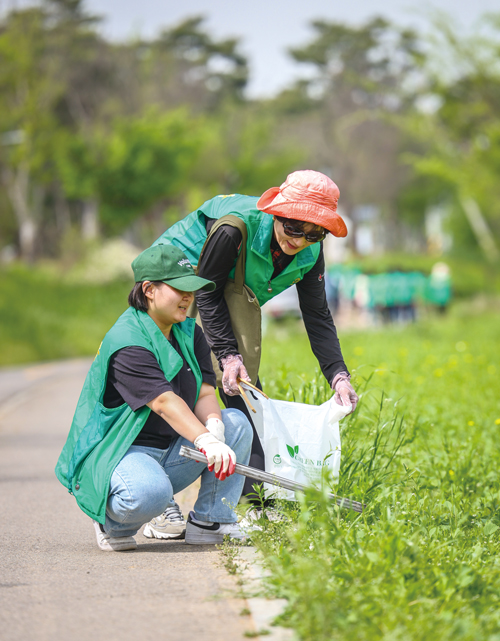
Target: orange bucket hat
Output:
[{"x": 308, "y": 196}]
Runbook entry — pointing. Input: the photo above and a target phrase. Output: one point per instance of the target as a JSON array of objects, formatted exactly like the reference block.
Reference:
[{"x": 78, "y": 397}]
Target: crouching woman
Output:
[{"x": 151, "y": 389}]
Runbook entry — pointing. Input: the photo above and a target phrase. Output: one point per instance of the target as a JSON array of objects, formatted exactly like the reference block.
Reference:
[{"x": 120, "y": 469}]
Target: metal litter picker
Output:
[{"x": 265, "y": 477}]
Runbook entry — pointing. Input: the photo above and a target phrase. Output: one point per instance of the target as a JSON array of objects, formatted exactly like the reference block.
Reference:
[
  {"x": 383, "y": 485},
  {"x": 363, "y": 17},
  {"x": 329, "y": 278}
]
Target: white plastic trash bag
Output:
[{"x": 298, "y": 440}]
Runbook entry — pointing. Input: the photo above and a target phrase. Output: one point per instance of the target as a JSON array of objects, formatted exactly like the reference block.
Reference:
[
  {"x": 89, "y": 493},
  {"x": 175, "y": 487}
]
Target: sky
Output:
[{"x": 268, "y": 28}]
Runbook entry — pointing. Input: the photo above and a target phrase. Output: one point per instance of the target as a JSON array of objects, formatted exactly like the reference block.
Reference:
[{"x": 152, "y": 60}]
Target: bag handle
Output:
[{"x": 239, "y": 271}]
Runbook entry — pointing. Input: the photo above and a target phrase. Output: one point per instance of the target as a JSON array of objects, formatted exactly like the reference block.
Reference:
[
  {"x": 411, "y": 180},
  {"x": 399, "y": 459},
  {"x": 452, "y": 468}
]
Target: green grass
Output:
[
  {"x": 45, "y": 318},
  {"x": 422, "y": 451}
]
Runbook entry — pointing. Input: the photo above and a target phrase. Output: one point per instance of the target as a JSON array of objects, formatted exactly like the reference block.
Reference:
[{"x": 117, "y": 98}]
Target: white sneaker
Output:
[
  {"x": 169, "y": 525},
  {"x": 200, "y": 534},
  {"x": 248, "y": 524},
  {"x": 113, "y": 543},
  {"x": 268, "y": 514}
]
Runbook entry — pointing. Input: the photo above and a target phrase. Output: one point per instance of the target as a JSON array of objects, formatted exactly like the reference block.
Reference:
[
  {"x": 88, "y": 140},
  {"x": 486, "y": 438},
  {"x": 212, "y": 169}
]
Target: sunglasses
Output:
[{"x": 294, "y": 231}]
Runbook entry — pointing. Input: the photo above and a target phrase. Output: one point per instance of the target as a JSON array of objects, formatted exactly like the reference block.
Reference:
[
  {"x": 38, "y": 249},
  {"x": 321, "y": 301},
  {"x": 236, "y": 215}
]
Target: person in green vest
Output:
[
  {"x": 285, "y": 229},
  {"x": 151, "y": 389}
]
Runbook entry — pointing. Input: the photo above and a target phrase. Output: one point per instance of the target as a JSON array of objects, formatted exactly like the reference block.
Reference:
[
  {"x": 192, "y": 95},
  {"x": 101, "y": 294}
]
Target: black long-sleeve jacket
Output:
[{"x": 216, "y": 263}]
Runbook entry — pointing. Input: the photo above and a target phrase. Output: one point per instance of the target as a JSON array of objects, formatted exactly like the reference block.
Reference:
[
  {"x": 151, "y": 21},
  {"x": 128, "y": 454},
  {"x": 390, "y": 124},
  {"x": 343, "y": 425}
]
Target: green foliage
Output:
[
  {"x": 458, "y": 141},
  {"x": 147, "y": 161},
  {"x": 188, "y": 41},
  {"x": 241, "y": 153},
  {"x": 254, "y": 162},
  {"x": 137, "y": 164},
  {"x": 358, "y": 58},
  {"x": 137, "y": 133},
  {"x": 421, "y": 562}
]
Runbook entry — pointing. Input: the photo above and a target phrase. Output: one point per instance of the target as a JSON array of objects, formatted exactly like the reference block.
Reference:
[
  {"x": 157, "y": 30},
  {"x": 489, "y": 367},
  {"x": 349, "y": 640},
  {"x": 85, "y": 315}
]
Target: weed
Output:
[
  {"x": 421, "y": 562},
  {"x": 229, "y": 555}
]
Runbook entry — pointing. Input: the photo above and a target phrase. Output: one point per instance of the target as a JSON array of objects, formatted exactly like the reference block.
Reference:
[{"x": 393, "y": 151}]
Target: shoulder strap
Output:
[{"x": 239, "y": 223}]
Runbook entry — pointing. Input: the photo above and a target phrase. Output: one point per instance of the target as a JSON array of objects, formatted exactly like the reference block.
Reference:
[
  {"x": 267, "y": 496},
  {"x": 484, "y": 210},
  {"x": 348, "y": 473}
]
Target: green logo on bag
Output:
[
  {"x": 277, "y": 459},
  {"x": 304, "y": 463}
]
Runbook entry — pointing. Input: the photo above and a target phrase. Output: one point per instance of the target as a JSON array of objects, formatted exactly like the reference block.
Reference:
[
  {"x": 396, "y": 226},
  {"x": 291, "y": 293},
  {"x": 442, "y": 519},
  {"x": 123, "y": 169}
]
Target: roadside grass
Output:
[
  {"x": 45, "y": 318},
  {"x": 421, "y": 451}
]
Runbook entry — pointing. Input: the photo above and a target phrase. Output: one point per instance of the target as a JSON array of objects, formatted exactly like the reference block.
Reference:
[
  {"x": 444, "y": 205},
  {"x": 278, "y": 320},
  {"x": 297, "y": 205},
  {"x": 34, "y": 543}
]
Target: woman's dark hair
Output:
[{"x": 137, "y": 299}]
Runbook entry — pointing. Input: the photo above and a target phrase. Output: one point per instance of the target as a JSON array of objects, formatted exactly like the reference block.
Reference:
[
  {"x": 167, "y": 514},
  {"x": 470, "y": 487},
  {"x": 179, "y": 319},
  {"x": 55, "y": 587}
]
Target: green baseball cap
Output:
[{"x": 169, "y": 265}]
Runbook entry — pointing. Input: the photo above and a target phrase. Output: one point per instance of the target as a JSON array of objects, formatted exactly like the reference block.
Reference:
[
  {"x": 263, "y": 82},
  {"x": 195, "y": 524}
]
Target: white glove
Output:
[
  {"x": 221, "y": 457},
  {"x": 216, "y": 427}
]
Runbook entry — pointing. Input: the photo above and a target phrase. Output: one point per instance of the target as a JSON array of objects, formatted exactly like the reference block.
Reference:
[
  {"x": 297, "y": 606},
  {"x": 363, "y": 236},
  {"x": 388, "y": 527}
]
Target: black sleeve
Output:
[
  {"x": 215, "y": 264},
  {"x": 204, "y": 358},
  {"x": 135, "y": 376},
  {"x": 318, "y": 320}
]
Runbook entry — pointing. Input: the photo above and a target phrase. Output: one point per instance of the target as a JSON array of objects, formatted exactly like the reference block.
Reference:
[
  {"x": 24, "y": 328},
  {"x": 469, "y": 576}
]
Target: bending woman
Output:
[
  {"x": 285, "y": 228},
  {"x": 149, "y": 391}
]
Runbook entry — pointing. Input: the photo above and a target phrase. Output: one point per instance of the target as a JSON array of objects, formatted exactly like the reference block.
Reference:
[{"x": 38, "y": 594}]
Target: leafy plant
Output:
[{"x": 421, "y": 451}]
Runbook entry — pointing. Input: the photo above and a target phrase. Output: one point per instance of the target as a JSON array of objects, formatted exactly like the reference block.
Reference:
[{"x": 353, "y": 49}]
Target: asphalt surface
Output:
[{"x": 54, "y": 581}]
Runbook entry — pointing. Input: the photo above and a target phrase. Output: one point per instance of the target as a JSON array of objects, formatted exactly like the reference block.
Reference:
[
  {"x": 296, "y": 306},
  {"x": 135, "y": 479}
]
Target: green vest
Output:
[
  {"x": 190, "y": 234},
  {"x": 100, "y": 437}
]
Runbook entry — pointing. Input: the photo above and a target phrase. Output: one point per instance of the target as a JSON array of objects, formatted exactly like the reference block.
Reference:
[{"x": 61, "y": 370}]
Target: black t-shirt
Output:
[
  {"x": 136, "y": 378},
  {"x": 219, "y": 258}
]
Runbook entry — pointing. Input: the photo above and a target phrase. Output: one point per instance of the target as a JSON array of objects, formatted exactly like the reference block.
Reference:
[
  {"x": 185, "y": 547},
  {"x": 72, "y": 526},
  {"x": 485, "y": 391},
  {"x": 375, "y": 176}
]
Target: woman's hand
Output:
[
  {"x": 221, "y": 458},
  {"x": 232, "y": 369},
  {"x": 344, "y": 391},
  {"x": 216, "y": 427}
]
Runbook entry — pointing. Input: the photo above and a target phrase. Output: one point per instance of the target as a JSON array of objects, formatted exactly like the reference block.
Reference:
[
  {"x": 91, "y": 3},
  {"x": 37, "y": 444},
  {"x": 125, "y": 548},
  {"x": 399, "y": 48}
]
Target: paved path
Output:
[{"x": 54, "y": 581}]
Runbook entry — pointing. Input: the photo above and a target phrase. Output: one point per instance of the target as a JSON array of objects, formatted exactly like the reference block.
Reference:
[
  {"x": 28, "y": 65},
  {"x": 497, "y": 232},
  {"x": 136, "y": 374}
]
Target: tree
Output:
[
  {"x": 459, "y": 140},
  {"x": 217, "y": 65},
  {"x": 346, "y": 110},
  {"x": 28, "y": 94},
  {"x": 51, "y": 81},
  {"x": 147, "y": 166},
  {"x": 86, "y": 68},
  {"x": 183, "y": 66}
]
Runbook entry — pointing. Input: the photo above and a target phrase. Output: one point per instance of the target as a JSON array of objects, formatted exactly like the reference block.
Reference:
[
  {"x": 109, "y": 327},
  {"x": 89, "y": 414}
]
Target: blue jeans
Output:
[{"x": 145, "y": 480}]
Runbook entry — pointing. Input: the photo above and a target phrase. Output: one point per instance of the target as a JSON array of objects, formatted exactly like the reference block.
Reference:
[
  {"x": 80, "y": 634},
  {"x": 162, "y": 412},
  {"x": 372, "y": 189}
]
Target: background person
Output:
[
  {"x": 285, "y": 228},
  {"x": 150, "y": 390}
]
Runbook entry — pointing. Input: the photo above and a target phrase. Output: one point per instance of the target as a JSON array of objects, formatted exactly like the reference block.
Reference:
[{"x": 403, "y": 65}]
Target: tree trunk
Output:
[
  {"x": 392, "y": 229},
  {"x": 480, "y": 228},
  {"x": 63, "y": 219},
  {"x": 17, "y": 186},
  {"x": 90, "y": 219}
]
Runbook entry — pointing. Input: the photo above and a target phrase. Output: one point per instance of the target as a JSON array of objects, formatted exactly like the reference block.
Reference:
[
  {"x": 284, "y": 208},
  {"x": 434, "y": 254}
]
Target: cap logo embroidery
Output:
[{"x": 183, "y": 262}]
